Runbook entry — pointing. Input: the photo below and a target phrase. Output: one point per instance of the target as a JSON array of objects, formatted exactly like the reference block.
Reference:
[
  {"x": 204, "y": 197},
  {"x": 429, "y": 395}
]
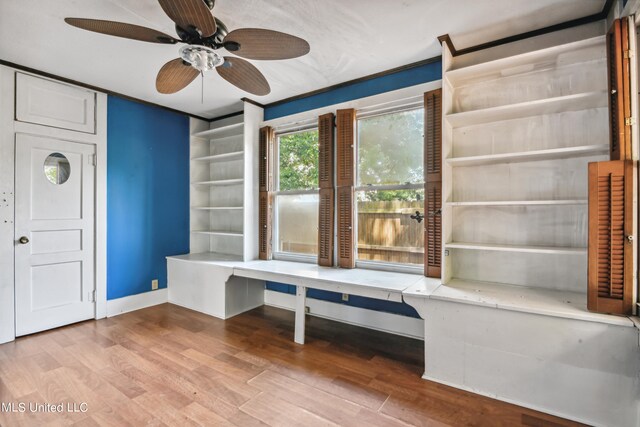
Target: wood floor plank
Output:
[
  {"x": 326, "y": 405},
  {"x": 124, "y": 384},
  {"x": 204, "y": 417},
  {"x": 219, "y": 365},
  {"x": 277, "y": 412},
  {"x": 166, "y": 365}
]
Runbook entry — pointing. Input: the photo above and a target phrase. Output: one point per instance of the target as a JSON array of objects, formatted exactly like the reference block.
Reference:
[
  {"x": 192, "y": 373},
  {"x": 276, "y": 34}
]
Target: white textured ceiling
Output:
[{"x": 349, "y": 39}]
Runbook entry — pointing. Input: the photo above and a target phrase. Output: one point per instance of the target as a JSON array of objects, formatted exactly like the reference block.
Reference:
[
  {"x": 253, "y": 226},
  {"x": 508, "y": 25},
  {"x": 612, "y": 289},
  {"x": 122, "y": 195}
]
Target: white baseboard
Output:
[
  {"x": 378, "y": 320},
  {"x": 136, "y": 302}
]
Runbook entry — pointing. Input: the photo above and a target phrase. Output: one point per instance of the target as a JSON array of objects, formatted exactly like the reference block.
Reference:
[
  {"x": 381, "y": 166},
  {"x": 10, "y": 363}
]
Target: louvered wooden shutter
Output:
[
  {"x": 265, "y": 150},
  {"x": 433, "y": 182},
  {"x": 264, "y": 224},
  {"x": 325, "y": 182},
  {"x": 326, "y": 150},
  {"x": 325, "y": 227},
  {"x": 346, "y": 129},
  {"x": 345, "y": 172},
  {"x": 346, "y": 247},
  {"x": 619, "y": 90},
  {"x": 265, "y": 180},
  {"x": 610, "y": 269}
]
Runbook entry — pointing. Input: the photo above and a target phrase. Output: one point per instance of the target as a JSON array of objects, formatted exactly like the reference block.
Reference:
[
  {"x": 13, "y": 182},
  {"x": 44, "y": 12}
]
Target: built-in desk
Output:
[{"x": 382, "y": 285}]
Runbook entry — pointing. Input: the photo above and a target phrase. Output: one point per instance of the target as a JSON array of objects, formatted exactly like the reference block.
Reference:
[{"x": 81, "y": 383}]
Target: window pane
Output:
[
  {"x": 386, "y": 231},
  {"x": 298, "y": 160},
  {"x": 390, "y": 148},
  {"x": 297, "y": 223}
]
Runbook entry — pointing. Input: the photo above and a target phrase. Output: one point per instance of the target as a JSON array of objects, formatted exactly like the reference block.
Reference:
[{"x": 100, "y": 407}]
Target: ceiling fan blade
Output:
[
  {"x": 175, "y": 76},
  {"x": 256, "y": 43},
  {"x": 120, "y": 29},
  {"x": 190, "y": 14},
  {"x": 243, "y": 75}
]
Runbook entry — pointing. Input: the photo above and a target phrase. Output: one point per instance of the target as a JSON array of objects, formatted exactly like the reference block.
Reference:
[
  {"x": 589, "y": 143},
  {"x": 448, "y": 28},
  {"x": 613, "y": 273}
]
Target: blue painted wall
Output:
[
  {"x": 147, "y": 194},
  {"x": 354, "y": 300},
  {"x": 422, "y": 74},
  {"x": 401, "y": 79}
]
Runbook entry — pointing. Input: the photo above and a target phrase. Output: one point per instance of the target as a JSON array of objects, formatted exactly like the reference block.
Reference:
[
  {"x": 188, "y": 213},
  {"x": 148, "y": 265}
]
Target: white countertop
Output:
[
  {"x": 546, "y": 302},
  {"x": 393, "y": 286}
]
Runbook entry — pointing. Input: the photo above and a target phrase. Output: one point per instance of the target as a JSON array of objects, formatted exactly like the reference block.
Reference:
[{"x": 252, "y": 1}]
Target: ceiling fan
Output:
[{"x": 204, "y": 35}]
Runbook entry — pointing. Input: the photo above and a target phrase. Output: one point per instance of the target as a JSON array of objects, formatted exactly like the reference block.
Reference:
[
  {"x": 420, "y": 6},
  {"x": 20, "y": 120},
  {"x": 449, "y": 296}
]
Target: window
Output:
[
  {"x": 296, "y": 195},
  {"x": 390, "y": 188}
]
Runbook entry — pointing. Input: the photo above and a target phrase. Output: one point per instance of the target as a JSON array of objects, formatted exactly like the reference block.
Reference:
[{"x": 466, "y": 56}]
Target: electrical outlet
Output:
[
  {"x": 154, "y": 284},
  {"x": 345, "y": 297}
]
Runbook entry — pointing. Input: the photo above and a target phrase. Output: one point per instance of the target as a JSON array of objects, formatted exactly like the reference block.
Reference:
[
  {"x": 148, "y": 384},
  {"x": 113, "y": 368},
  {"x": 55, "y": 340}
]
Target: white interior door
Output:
[{"x": 54, "y": 233}]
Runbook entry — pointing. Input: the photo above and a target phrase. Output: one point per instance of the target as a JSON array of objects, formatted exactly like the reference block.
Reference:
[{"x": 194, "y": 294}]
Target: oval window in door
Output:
[{"x": 57, "y": 168}]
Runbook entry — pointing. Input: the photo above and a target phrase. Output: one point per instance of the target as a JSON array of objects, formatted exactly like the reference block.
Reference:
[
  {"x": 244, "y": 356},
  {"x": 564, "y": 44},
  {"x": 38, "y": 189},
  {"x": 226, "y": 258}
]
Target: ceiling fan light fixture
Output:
[{"x": 201, "y": 58}]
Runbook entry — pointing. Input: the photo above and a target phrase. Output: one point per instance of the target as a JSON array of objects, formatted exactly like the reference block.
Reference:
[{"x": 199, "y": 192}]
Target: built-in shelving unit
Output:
[
  {"x": 224, "y": 192},
  {"x": 518, "y": 133}
]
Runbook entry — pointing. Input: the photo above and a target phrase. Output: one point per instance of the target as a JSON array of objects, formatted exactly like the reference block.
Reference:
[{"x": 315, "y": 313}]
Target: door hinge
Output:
[
  {"x": 628, "y": 54},
  {"x": 629, "y": 121},
  {"x": 92, "y": 159},
  {"x": 92, "y": 296}
]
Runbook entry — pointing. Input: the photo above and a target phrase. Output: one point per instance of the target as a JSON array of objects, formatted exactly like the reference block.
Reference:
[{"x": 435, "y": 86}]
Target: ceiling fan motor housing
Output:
[{"x": 214, "y": 41}]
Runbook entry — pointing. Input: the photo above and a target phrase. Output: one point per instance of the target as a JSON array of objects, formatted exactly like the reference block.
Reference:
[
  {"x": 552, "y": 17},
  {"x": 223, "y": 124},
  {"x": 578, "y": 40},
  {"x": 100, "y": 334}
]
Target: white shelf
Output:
[
  {"x": 530, "y": 156},
  {"x": 218, "y": 208},
  {"x": 207, "y": 257},
  {"x": 521, "y": 203},
  {"x": 220, "y": 182},
  {"x": 547, "y": 302},
  {"x": 555, "y": 250},
  {"x": 581, "y": 101},
  {"x": 219, "y": 233},
  {"x": 236, "y": 155},
  {"x": 221, "y": 132},
  {"x": 552, "y": 54}
]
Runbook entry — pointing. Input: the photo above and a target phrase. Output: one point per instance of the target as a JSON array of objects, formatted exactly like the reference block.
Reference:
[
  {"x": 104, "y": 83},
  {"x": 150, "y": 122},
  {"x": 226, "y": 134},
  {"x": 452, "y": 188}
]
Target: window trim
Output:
[
  {"x": 277, "y": 254},
  {"x": 383, "y": 265}
]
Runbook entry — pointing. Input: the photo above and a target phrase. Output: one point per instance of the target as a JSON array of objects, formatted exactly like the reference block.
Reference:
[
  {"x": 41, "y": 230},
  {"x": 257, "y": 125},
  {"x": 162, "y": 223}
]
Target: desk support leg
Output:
[{"x": 301, "y": 302}]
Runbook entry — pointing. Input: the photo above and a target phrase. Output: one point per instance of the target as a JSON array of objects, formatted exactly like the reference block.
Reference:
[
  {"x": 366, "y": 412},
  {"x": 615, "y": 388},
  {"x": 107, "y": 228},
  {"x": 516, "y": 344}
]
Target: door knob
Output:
[{"x": 24, "y": 240}]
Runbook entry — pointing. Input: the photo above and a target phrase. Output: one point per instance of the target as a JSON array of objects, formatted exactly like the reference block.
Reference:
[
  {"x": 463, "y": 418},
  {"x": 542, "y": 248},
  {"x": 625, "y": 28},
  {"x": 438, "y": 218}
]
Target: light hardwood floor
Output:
[{"x": 166, "y": 365}]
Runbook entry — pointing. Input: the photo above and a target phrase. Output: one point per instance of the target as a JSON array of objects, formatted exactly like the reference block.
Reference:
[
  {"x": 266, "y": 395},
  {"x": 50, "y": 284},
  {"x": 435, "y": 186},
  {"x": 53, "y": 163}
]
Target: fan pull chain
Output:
[{"x": 202, "y": 87}]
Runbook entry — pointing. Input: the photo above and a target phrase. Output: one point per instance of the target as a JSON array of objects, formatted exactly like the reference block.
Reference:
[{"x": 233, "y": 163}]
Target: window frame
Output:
[
  {"x": 383, "y": 265},
  {"x": 277, "y": 254}
]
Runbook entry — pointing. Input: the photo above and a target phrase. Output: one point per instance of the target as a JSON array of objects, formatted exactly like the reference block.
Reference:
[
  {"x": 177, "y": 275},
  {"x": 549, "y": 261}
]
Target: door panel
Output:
[
  {"x": 47, "y": 242},
  {"x": 50, "y": 103},
  {"x": 55, "y": 285},
  {"x": 54, "y": 262}
]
